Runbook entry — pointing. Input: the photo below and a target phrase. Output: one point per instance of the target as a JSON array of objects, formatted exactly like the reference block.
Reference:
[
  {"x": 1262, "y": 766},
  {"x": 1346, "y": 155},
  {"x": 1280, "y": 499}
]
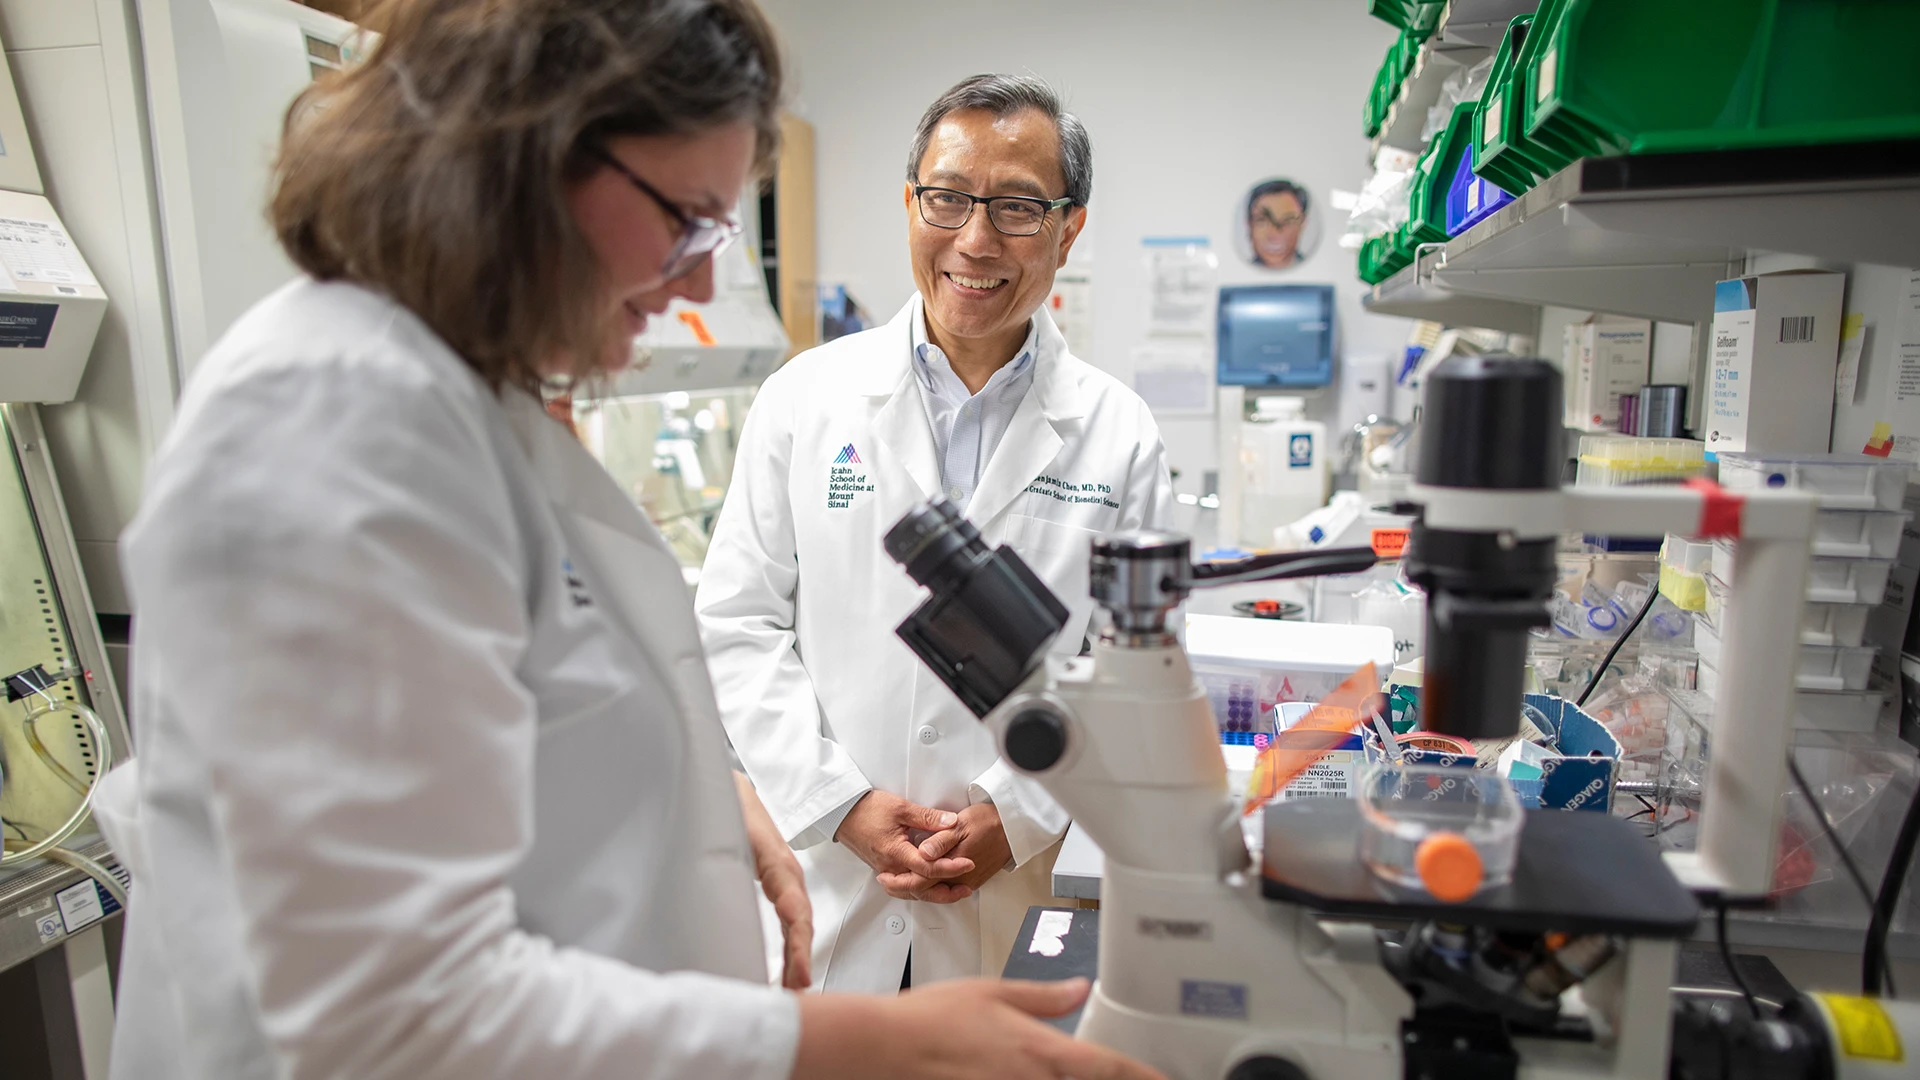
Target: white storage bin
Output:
[
  {"x": 1842, "y": 481},
  {"x": 1848, "y": 581},
  {"x": 1250, "y": 665},
  {"x": 1822, "y": 667},
  {"x": 1833, "y": 667},
  {"x": 1820, "y": 624},
  {"x": 1858, "y": 534},
  {"x": 1829, "y": 580}
]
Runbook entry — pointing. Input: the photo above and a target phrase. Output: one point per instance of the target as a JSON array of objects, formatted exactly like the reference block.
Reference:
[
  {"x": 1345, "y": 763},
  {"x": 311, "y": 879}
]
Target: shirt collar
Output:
[{"x": 933, "y": 360}]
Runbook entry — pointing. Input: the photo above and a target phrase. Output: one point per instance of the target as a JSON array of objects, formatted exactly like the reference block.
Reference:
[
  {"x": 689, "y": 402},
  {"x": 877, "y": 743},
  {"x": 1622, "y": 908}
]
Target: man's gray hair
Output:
[{"x": 1004, "y": 95}]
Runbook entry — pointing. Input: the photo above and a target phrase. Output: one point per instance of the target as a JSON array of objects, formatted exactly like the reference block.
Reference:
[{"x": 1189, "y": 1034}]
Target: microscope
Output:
[{"x": 1306, "y": 965}]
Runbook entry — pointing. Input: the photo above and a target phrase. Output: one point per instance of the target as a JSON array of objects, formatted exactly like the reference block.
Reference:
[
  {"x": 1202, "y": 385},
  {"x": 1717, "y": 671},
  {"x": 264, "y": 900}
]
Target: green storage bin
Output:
[
  {"x": 1373, "y": 255},
  {"x": 1419, "y": 16},
  {"x": 1494, "y": 156},
  {"x": 1397, "y": 12},
  {"x": 1654, "y": 76},
  {"x": 1551, "y": 145}
]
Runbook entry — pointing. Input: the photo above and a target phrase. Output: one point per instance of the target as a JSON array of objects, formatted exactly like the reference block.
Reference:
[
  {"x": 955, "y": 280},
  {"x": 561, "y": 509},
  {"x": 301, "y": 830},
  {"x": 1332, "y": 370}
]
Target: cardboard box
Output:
[
  {"x": 1775, "y": 351},
  {"x": 1606, "y": 357}
]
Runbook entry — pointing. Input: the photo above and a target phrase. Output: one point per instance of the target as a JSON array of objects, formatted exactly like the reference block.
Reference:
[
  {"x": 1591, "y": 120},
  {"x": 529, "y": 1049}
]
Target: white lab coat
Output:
[
  {"x": 798, "y": 605},
  {"x": 430, "y": 780}
]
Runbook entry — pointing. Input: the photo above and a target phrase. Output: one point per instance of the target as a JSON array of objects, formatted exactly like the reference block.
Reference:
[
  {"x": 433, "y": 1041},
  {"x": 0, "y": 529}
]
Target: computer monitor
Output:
[{"x": 1276, "y": 335}]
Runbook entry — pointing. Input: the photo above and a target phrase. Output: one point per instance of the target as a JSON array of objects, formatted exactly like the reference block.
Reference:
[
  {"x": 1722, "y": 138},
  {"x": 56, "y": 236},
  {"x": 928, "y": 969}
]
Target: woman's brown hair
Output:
[{"x": 436, "y": 171}]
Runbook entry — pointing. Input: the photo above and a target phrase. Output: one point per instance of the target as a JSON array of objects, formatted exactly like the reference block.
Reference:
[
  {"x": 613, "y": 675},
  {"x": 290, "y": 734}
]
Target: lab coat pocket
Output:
[{"x": 1059, "y": 554}]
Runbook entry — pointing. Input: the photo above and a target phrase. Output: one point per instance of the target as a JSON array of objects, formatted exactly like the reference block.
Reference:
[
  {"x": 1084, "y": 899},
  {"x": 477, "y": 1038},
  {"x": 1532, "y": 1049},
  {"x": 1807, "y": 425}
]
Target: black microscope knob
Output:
[{"x": 1036, "y": 739}]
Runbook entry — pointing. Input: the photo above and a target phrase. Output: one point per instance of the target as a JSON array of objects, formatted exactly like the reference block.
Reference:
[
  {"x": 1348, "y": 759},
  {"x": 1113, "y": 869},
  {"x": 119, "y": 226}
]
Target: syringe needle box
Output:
[
  {"x": 1606, "y": 357},
  {"x": 1775, "y": 349}
]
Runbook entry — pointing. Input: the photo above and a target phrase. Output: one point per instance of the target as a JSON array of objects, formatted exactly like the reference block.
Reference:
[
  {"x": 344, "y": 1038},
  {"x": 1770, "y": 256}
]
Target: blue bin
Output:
[{"x": 1470, "y": 198}]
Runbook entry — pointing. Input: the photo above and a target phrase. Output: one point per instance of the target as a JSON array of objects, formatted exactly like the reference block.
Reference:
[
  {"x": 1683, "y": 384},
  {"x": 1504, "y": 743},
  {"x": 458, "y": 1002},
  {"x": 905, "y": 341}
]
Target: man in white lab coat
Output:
[{"x": 970, "y": 393}]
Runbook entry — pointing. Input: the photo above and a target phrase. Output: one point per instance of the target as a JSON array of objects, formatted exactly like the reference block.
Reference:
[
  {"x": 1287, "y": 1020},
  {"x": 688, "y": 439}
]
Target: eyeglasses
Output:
[
  {"x": 700, "y": 237},
  {"x": 1266, "y": 215},
  {"x": 1014, "y": 215}
]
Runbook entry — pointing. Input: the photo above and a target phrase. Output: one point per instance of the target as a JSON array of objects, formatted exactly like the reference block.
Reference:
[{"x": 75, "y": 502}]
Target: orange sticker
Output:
[
  {"x": 1390, "y": 543},
  {"x": 1320, "y": 731},
  {"x": 699, "y": 327}
]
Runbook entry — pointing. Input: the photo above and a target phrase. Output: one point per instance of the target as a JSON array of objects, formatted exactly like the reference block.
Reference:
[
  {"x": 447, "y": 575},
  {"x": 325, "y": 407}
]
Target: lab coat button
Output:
[
  {"x": 896, "y": 924},
  {"x": 929, "y": 736}
]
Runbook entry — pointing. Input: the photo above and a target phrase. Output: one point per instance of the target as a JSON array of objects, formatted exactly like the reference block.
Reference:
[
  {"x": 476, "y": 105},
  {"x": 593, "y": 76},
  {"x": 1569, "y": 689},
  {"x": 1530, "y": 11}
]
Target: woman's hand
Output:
[
  {"x": 781, "y": 879},
  {"x": 953, "y": 1030}
]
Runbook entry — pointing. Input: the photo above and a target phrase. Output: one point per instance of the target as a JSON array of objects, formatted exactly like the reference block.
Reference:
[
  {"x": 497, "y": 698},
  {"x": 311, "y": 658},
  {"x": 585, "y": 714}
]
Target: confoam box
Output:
[{"x": 1775, "y": 350}]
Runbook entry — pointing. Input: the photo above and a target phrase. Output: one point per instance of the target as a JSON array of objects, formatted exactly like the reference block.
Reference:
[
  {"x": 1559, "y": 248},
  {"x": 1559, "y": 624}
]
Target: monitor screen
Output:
[{"x": 1276, "y": 335}]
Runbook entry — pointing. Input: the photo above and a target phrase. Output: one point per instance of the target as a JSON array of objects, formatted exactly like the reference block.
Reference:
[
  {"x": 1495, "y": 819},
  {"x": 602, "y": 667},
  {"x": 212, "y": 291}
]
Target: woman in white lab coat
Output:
[{"x": 431, "y": 782}]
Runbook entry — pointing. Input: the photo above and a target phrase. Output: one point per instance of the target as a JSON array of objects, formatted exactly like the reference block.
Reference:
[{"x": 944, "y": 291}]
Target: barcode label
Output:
[{"x": 1795, "y": 329}]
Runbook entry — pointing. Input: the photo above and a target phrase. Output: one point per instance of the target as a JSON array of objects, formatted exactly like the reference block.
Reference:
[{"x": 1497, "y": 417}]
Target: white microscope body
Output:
[{"x": 1198, "y": 971}]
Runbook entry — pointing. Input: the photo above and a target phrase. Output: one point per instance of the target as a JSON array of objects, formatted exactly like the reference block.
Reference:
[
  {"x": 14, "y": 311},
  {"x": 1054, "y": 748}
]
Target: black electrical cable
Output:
[
  {"x": 1898, "y": 864},
  {"x": 1653, "y": 596},
  {"x": 1867, "y": 965},
  {"x": 1726, "y": 957}
]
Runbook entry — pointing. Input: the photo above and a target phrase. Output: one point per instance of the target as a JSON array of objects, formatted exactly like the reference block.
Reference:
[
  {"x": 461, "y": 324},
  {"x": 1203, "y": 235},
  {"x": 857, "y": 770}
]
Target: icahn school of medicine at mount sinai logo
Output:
[{"x": 844, "y": 481}]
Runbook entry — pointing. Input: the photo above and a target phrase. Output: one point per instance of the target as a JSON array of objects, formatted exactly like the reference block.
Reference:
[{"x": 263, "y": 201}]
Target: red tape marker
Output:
[{"x": 1720, "y": 509}]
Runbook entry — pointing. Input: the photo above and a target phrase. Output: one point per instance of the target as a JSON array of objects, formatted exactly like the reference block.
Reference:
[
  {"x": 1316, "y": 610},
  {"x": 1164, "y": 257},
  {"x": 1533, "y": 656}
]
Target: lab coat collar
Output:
[
  {"x": 573, "y": 480},
  {"x": 1056, "y": 381},
  {"x": 1033, "y": 438}
]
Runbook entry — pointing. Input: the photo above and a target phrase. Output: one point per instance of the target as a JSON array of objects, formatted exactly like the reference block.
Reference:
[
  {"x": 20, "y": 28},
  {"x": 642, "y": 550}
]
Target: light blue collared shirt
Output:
[{"x": 968, "y": 427}]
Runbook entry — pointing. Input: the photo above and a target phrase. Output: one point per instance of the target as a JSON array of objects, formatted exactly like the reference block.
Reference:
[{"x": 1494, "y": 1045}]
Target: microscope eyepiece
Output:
[
  {"x": 935, "y": 542},
  {"x": 989, "y": 618}
]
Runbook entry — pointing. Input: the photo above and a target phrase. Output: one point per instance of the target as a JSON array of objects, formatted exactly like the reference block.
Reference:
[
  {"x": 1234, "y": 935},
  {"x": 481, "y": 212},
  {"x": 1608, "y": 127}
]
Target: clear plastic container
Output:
[
  {"x": 1858, "y": 534},
  {"x": 1611, "y": 460},
  {"x": 1829, "y": 580},
  {"x": 1820, "y": 624},
  {"x": 1842, "y": 481},
  {"x": 1843, "y": 711},
  {"x": 1822, "y": 667},
  {"x": 1449, "y": 832}
]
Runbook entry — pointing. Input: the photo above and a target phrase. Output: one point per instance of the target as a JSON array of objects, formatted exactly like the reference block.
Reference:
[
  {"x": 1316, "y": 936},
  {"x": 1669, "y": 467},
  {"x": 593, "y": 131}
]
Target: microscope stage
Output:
[{"x": 1577, "y": 872}]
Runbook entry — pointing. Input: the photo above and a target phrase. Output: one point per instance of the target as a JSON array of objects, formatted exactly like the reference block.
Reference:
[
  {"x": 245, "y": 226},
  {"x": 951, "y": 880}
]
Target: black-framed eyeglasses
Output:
[
  {"x": 1014, "y": 215},
  {"x": 700, "y": 236},
  {"x": 1266, "y": 215}
]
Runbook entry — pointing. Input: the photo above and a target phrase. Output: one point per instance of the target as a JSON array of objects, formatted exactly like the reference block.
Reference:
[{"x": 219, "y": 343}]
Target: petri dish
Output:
[{"x": 1446, "y": 831}]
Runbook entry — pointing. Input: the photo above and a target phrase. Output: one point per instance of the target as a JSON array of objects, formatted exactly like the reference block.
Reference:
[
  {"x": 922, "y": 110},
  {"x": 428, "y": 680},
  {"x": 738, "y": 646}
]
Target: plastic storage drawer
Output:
[
  {"x": 1838, "y": 711},
  {"x": 1839, "y": 481},
  {"x": 1858, "y": 534},
  {"x": 1820, "y": 624},
  {"x": 1821, "y": 667},
  {"x": 1829, "y": 581}
]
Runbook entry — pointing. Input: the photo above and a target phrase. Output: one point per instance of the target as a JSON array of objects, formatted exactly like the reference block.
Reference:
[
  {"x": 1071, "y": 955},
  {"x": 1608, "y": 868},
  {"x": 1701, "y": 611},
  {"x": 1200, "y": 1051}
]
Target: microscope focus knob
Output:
[
  {"x": 1267, "y": 1068},
  {"x": 1036, "y": 738}
]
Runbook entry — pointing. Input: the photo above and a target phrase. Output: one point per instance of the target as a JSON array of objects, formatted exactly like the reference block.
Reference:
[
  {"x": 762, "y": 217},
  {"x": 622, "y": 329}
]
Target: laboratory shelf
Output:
[
  {"x": 30, "y": 916},
  {"x": 1412, "y": 293},
  {"x": 1648, "y": 235},
  {"x": 1408, "y": 114}
]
